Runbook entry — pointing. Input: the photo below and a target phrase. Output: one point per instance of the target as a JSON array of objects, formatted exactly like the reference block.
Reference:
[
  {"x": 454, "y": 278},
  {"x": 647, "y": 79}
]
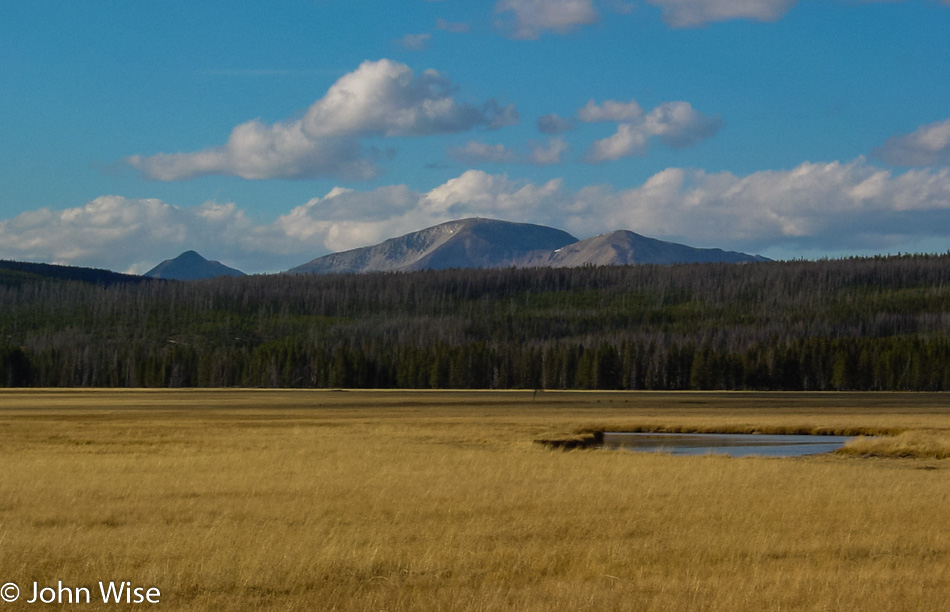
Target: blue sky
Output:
[{"x": 266, "y": 134}]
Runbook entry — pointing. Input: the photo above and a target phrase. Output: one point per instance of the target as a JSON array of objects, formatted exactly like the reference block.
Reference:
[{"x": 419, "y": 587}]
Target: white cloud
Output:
[
  {"x": 415, "y": 42},
  {"x": 929, "y": 145},
  {"x": 345, "y": 219},
  {"x": 610, "y": 110},
  {"x": 348, "y": 219},
  {"x": 835, "y": 207},
  {"x": 679, "y": 125},
  {"x": 550, "y": 152},
  {"x": 478, "y": 193},
  {"x": 381, "y": 98},
  {"x": 385, "y": 98},
  {"x": 697, "y": 13},
  {"x": 629, "y": 139},
  {"x": 133, "y": 235},
  {"x": 532, "y": 17},
  {"x": 258, "y": 151},
  {"x": 676, "y": 124}
]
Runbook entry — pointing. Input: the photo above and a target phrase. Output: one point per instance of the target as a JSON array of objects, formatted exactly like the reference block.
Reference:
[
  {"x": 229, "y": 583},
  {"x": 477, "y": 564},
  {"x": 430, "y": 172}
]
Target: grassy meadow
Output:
[{"x": 406, "y": 500}]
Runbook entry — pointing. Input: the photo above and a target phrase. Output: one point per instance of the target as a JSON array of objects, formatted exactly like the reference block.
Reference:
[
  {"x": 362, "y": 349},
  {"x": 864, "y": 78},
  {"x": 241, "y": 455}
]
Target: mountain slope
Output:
[
  {"x": 191, "y": 266},
  {"x": 625, "y": 247},
  {"x": 467, "y": 243}
]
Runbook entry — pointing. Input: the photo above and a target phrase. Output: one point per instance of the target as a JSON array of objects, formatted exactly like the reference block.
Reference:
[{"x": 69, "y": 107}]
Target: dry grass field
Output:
[{"x": 387, "y": 500}]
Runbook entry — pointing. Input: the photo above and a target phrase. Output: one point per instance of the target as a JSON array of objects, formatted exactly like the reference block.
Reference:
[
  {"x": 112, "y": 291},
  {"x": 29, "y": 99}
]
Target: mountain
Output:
[
  {"x": 488, "y": 243},
  {"x": 467, "y": 243},
  {"x": 625, "y": 247},
  {"x": 191, "y": 266}
]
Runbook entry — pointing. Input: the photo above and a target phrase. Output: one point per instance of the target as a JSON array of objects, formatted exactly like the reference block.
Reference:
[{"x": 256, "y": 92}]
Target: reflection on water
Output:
[{"x": 734, "y": 445}]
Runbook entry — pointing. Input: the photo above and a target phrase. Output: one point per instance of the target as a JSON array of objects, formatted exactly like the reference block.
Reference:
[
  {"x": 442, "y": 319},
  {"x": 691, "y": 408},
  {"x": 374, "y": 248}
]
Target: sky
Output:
[{"x": 264, "y": 135}]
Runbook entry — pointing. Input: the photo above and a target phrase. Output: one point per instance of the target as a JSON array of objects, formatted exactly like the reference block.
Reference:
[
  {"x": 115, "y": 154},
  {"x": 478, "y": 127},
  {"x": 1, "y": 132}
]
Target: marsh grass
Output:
[
  {"x": 245, "y": 500},
  {"x": 915, "y": 444}
]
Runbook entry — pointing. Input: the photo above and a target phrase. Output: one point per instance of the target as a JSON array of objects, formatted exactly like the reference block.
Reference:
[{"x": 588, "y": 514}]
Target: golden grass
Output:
[
  {"x": 917, "y": 444},
  {"x": 315, "y": 500}
]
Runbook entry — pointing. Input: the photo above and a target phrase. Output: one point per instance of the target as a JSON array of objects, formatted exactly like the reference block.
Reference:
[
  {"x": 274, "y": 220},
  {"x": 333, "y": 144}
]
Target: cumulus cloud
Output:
[
  {"x": 258, "y": 151},
  {"x": 834, "y": 206},
  {"x": 697, "y": 13},
  {"x": 610, "y": 110},
  {"x": 532, "y": 17},
  {"x": 628, "y": 140},
  {"x": 676, "y": 124},
  {"x": 346, "y": 219},
  {"x": 549, "y": 153},
  {"x": 479, "y": 193},
  {"x": 679, "y": 125},
  {"x": 382, "y": 98},
  {"x": 830, "y": 206},
  {"x": 386, "y": 98},
  {"x": 133, "y": 235},
  {"x": 929, "y": 145},
  {"x": 837, "y": 207}
]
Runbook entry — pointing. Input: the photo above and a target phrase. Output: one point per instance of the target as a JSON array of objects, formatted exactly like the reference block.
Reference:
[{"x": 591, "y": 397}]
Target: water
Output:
[{"x": 734, "y": 445}]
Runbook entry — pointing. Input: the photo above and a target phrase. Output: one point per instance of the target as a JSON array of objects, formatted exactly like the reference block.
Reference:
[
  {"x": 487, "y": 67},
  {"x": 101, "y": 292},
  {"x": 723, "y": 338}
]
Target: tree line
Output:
[{"x": 879, "y": 323}]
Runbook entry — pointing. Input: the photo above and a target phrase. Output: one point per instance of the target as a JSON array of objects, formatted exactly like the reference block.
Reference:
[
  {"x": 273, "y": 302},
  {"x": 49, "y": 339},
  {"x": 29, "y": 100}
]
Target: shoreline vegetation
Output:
[
  {"x": 874, "y": 324},
  {"x": 232, "y": 500},
  {"x": 866, "y": 442}
]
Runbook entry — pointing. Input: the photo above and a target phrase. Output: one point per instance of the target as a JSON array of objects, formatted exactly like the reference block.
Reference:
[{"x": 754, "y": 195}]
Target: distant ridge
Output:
[
  {"x": 191, "y": 266},
  {"x": 16, "y": 273},
  {"x": 489, "y": 243}
]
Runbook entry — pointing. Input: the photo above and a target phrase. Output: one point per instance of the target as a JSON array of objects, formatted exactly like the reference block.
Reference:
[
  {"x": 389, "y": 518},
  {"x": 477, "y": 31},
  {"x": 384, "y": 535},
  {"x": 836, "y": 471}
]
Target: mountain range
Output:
[
  {"x": 489, "y": 243},
  {"x": 466, "y": 243}
]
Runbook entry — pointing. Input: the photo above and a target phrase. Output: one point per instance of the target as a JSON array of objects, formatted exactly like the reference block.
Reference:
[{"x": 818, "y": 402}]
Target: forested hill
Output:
[
  {"x": 878, "y": 323},
  {"x": 20, "y": 272}
]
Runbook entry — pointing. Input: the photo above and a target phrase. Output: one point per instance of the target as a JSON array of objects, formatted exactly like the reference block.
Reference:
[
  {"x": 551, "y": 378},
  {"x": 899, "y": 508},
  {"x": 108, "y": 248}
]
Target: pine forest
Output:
[{"x": 879, "y": 323}]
